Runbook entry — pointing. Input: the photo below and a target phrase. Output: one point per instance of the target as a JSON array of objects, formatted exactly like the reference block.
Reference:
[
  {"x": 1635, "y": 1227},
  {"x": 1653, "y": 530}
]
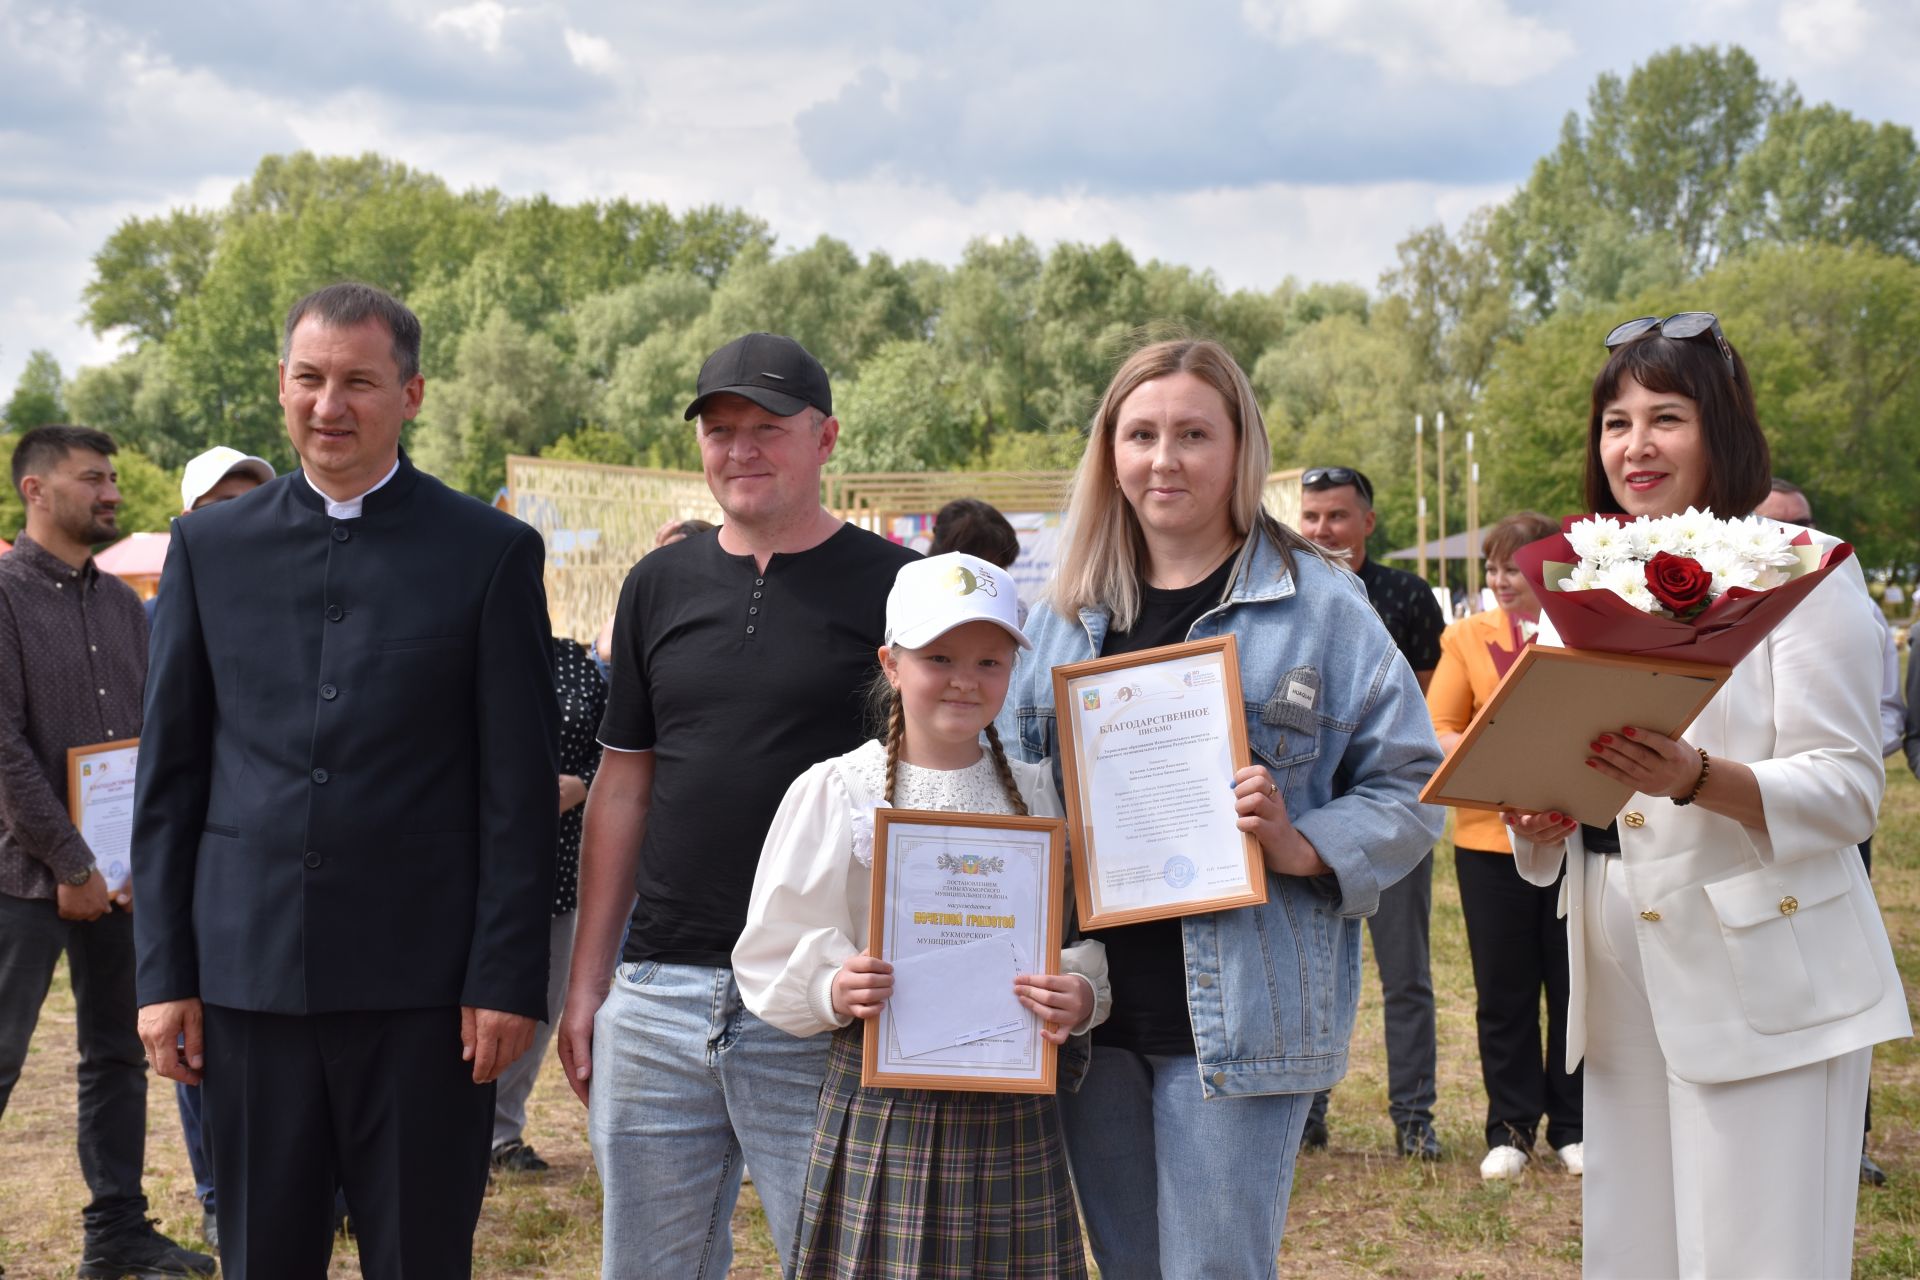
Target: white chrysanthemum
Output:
[
  {"x": 1601, "y": 541},
  {"x": 1585, "y": 577},
  {"x": 1728, "y": 567},
  {"x": 1628, "y": 580},
  {"x": 1653, "y": 535},
  {"x": 1768, "y": 579},
  {"x": 1765, "y": 543},
  {"x": 1694, "y": 532}
]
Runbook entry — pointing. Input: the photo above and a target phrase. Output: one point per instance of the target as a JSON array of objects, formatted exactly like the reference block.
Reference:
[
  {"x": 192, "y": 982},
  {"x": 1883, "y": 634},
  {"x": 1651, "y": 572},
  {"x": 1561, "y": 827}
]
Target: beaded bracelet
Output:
[{"x": 1698, "y": 783}]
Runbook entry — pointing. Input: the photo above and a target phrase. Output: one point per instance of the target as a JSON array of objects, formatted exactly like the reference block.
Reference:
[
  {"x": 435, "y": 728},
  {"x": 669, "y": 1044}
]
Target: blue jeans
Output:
[
  {"x": 187, "y": 1097},
  {"x": 1173, "y": 1184},
  {"x": 685, "y": 1084}
]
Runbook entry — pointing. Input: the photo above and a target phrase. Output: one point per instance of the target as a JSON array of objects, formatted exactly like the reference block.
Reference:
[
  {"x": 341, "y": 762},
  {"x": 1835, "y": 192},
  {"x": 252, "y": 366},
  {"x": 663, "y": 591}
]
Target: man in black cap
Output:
[{"x": 740, "y": 657}]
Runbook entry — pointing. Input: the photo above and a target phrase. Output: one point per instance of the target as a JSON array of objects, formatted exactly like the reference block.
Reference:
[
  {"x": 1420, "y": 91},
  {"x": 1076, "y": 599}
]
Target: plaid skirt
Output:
[{"x": 910, "y": 1184}]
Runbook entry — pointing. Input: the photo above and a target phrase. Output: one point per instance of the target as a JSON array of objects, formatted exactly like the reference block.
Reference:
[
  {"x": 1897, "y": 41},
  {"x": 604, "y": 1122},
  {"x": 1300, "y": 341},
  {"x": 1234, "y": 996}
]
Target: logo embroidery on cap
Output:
[{"x": 965, "y": 582}]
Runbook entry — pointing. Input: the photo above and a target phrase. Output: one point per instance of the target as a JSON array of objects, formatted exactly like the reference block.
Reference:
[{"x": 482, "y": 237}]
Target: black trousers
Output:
[
  {"x": 1519, "y": 947},
  {"x": 379, "y": 1102},
  {"x": 111, "y": 1065}
]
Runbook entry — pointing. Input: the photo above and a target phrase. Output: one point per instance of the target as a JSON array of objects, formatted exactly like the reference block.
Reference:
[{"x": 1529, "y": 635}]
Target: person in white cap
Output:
[
  {"x": 967, "y": 1175},
  {"x": 221, "y": 474}
]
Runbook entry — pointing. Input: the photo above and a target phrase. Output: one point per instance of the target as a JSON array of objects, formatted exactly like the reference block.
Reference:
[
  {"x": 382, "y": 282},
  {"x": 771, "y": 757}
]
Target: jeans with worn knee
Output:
[
  {"x": 1173, "y": 1184},
  {"x": 686, "y": 1086}
]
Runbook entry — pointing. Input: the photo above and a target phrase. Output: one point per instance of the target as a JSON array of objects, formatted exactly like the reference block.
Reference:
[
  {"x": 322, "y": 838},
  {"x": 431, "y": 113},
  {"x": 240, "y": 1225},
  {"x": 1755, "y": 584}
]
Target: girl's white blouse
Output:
[{"x": 808, "y": 913}]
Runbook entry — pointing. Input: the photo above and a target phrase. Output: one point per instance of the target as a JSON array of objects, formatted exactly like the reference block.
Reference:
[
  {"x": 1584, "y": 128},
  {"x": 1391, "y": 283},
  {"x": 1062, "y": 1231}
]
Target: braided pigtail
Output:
[
  {"x": 1005, "y": 771},
  {"x": 896, "y": 737}
]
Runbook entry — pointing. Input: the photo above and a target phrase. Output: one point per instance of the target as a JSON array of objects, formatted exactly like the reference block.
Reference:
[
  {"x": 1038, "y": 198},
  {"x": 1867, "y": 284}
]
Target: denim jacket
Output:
[{"x": 1335, "y": 713}]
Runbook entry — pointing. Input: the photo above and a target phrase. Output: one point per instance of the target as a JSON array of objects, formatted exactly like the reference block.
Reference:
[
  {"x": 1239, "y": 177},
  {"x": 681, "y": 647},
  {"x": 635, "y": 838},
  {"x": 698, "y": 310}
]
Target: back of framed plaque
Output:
[{"x": 1527, "y": 748}]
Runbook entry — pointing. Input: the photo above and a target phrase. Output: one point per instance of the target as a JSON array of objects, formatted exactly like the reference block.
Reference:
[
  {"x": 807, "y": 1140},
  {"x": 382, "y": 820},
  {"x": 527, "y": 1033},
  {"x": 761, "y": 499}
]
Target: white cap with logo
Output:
[
  {"x": 215, "y": 465},
  {"x": 931, "y": 597}
]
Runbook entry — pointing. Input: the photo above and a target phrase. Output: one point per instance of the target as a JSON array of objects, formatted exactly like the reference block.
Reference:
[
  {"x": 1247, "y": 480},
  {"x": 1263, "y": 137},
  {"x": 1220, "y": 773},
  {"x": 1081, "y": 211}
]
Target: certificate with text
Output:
[
  {"x": 962, "y": 903},
  {"x": 100, "y": 802},
  {"x": 1149, "y": 744}
]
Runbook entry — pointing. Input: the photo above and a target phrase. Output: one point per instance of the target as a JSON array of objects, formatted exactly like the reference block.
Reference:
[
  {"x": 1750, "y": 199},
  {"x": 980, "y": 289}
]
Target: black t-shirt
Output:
[
  {"x": 1146, "y": 962},
  {"x": 737, "y": 680},
  {"x": 1405, "y": 603}
]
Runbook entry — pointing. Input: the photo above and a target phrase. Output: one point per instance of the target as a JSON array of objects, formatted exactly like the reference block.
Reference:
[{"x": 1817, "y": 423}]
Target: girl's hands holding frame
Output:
[
  {"x": 1262, "y": 812},
  {"x": 861, "y": 988},
  {"x": 1062, "y": 1000}
]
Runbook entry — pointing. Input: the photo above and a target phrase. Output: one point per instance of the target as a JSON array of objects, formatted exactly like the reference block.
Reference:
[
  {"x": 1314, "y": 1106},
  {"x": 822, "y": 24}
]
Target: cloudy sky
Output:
[{"x": 1257, "y": 138}]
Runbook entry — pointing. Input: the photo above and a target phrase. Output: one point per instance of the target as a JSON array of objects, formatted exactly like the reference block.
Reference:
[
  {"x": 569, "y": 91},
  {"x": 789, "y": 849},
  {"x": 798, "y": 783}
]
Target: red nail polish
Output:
[
  {"x": 1556, "y": 817},
  {"x": 1595, "y": 747},
  {"x": 1628, "y": 732},
  {"x": 1606, "y": 738},
  {"x": 1593, "y": 764}
]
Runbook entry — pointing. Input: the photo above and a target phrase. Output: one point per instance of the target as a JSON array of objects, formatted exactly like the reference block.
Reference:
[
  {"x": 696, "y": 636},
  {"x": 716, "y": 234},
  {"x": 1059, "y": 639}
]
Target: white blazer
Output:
[{"x": 1763, "y": 949}]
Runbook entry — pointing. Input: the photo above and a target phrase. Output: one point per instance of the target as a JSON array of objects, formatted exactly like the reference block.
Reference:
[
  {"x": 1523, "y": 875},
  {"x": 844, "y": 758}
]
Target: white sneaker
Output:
[
  {"x": 1503, "y": 1164},
  {"x": 1574, "y": 1156}
]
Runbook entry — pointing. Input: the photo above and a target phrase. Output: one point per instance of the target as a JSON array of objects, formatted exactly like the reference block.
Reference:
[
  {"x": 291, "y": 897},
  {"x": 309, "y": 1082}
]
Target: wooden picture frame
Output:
[
  {"x": 1176, "y": 713},
  {"x": 103, "y": 815},
  {"x": 929, "y": 866},
  {"x": 1526, "y": 749}
]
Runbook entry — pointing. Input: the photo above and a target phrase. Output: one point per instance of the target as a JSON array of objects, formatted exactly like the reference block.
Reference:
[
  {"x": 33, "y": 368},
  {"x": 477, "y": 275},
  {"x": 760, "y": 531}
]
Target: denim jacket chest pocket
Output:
[{"x": 1285, "y": 732}]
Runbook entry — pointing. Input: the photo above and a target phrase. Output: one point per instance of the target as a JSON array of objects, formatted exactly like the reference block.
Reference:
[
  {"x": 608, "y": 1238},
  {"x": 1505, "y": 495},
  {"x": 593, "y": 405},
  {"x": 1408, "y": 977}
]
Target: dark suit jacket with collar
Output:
[{"x": 346, "y": 794}]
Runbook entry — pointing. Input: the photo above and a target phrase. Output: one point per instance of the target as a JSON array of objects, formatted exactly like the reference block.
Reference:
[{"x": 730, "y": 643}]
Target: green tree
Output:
[
  {"x": 511, "y": 392},
  {"x": 146, "y": 267},
  {"x": 149, "y": 493},
  {"x": 902, "y": 414},
  {"x": 37, "y": 398},
  {"x": 1821, "y": 174}
]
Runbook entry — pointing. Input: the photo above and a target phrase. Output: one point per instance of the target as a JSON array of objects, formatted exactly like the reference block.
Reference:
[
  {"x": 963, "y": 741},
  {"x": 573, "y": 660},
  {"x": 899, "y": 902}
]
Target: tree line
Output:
[{"x": 576, "y": 331}]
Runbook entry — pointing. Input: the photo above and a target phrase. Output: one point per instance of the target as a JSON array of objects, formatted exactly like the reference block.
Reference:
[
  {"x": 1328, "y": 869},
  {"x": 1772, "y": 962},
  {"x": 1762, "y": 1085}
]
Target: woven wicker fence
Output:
[{"x": 598, "y": 520}]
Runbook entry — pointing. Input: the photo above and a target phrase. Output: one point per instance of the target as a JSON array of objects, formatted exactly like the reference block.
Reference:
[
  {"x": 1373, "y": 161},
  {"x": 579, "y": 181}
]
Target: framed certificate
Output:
[
  {"x": 1527, "y": 748},
  {"x": 100, "y": 802},
  {"x": 963, "y": 902},
  {"x": 1149, "y": 744}
]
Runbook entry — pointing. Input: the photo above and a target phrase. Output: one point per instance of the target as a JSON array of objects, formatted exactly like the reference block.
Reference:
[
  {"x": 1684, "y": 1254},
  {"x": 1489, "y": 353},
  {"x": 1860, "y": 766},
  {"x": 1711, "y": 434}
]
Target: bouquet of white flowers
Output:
[{"x": 1676, "y": 566}]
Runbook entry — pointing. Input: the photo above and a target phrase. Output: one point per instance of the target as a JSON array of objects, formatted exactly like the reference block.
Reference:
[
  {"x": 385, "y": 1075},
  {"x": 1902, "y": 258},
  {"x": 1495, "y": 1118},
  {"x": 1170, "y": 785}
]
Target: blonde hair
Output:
[{"x": 1102, "y": 551}]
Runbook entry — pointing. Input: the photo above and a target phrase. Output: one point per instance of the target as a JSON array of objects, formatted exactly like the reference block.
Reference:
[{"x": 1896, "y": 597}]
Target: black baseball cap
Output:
[{"x": 776, "y": 373}]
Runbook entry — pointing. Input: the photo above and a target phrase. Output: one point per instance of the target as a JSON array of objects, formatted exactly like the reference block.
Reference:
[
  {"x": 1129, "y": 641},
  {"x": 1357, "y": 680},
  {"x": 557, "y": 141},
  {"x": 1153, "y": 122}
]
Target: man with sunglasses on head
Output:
[{"x": 1336, "y": 511}]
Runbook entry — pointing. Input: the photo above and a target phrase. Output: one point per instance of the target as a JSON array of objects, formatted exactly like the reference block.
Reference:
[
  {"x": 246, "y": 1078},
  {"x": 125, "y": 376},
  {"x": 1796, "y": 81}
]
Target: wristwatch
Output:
[{"x": 81, "y": 876}]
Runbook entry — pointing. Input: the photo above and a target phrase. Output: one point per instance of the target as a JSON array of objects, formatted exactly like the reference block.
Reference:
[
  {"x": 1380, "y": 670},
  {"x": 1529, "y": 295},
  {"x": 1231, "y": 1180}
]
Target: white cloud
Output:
[
  {"x": 590, "y": 52},
  {"x": 1479, "y": 42},
  {"x": 481, "y": 22},
  {"x": 1828, "y": 31}
]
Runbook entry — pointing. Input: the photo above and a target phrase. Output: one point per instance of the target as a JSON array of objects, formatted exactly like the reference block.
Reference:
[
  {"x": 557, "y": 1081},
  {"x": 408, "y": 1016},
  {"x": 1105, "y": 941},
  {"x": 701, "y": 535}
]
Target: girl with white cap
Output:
[{"x": 915, "y": 1183}]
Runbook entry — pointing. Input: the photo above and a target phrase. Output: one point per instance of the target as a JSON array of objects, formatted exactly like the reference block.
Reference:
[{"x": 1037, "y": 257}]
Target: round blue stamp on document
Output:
[{"x": 1179, "y": 871}]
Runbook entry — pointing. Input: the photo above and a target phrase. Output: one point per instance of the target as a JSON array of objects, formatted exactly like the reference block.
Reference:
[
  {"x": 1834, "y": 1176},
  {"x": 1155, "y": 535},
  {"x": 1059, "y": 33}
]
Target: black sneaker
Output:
[
  {"x": 143, "y": 1253},
  {"x": 1871, "y": 1174},
  {"x": 516, "y": 1156},
  {"x": 1419, "y": 1141},
  {"x": 1314, "y": 1138}
]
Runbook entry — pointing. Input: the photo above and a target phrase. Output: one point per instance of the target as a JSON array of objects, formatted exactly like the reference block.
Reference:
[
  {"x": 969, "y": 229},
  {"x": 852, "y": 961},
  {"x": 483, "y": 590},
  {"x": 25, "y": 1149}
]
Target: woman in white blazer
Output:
[{"x": 1730, "y": 971}]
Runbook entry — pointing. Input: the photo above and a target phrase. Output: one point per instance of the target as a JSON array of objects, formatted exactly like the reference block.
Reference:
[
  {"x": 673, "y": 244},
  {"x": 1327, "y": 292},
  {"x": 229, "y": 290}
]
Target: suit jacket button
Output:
[
  {"x": 313, "y": 858},
  {"x": 319, "y": 775},
  {"x": 1650, "y": 915},
  {"x": 328, "y": 692},
  {"x": 1635, "y": 819},
  {"x": 335, "y": 613},
  {"x": 340, "y": 533}
]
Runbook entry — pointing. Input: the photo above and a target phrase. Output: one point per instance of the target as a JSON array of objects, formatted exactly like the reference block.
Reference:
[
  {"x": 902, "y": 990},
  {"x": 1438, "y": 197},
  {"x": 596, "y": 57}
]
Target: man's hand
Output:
[
  {"x": 163, "y": 1028},
  {"x": 87, "y": 901},
  {"x": 572, "y": 792},
  {"x": 491, "y": 1040},
  {"x": 576, "y": 1037}
]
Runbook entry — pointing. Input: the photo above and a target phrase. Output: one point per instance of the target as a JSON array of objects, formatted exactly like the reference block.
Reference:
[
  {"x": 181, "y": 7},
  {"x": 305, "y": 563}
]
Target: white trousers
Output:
[{"x": 1755, "y": 1178}]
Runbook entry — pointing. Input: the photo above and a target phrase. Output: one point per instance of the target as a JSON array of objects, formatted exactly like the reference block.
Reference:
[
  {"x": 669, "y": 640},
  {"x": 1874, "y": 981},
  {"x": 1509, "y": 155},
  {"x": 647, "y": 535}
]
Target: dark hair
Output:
[
  {"x": 1738, "y": 463},
  {"x": 44, "y": 447},
  {"x": 1514, "y": 532},
  {"x": 977, "y": 528},
  {"x": 1788, "y": 486},
  {"x": 687, "y": 528},
  {"x": 342, "y": 306}
]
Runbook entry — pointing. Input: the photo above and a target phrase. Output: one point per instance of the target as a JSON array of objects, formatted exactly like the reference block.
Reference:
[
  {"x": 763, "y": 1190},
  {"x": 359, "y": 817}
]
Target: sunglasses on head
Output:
[
  {"x": 1335, "y": 477},
  {"x": 1681, "y": 324}
]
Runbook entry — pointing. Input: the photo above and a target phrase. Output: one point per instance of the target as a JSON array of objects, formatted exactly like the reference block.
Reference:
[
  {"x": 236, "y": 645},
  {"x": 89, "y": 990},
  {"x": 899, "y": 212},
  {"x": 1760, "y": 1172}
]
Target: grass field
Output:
[{"x": 1357, "y": 1210}]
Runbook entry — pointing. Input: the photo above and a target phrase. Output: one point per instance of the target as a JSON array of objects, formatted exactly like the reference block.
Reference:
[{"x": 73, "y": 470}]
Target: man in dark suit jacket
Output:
[{"x": 346, "y": 819}]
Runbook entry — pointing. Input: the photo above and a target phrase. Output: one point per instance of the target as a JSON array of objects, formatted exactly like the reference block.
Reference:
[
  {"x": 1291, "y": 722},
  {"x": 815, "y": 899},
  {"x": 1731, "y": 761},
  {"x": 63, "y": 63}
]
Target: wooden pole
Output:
[
  {"x": 1440, "y": 484},
  {"x": 1473, "y": 529},
  {"x": 1420, "y": 489}
]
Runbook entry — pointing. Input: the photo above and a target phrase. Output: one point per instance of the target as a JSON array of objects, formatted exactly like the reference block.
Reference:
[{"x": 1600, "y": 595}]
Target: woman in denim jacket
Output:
[{"x": 1183, "y": 1138}]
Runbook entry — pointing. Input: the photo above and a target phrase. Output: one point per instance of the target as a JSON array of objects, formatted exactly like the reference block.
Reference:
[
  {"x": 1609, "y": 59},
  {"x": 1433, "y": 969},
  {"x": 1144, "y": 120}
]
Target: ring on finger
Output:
[{"x": 1273, "y": 788}]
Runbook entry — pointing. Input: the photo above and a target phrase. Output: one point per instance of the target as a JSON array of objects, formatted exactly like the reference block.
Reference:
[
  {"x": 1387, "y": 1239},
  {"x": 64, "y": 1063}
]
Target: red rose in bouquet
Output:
[{"x": 1679, "y": 583}]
